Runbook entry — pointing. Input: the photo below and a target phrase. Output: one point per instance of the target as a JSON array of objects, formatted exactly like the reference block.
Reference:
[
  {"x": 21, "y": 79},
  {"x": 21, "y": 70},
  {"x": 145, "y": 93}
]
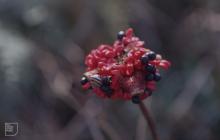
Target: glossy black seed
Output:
[
  {"x": 149, "y": 77},
  {"x": 151, "y": 55},
  {"x": 120, "y": 35},
  {"x": 157, "y": 77},
  {"x": 106, "y": 81},
  {"x": 150, "y": 68},
  {"x": 107, "y": 90},
  {"x": 84, "y": 80},
  {"x": 136, "y": 99},
  {"x": 144, "y": 59}
]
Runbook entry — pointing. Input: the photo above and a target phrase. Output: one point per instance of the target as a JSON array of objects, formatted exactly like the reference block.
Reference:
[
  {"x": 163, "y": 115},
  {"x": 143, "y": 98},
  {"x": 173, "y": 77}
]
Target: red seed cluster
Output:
[{"x": 125, "y": 70}]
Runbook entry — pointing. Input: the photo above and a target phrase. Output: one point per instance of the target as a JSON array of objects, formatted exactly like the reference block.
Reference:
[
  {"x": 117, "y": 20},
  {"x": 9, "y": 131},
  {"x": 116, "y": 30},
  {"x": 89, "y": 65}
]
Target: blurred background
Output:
[{"x": 43, "y": 44}]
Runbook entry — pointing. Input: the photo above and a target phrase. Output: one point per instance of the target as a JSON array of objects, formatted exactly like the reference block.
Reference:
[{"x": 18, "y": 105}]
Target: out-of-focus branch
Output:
[
  {"x": 109, "y": 130},
  {"x": 194, "y": 84}
]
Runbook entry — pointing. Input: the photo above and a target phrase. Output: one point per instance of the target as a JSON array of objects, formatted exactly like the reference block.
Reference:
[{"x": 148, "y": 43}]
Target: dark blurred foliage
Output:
[{"x": 42, "y": 48}]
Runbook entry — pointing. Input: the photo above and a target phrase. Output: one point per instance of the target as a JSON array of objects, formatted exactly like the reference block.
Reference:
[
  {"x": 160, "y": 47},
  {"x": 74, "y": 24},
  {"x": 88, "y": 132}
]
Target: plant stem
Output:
[{"x": 149, "y": 120}]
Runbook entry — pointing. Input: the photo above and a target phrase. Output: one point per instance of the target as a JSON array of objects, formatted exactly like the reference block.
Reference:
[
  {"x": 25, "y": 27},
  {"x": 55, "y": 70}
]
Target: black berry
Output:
[
  {"x": 136, "y": 99},
  {"x": 151, "y": 55},
  {"x": 107, "y": 90},
  {"x": 150, "y": 68},
  {"x": 144, "y": 59},
  {"x": 157, "y": 77},
  {"x": 120, "y": 35},
  {"x": 106, "y": 81},
  {"x": 84, "y": 80},
  {"x": 149, "y": 77}
]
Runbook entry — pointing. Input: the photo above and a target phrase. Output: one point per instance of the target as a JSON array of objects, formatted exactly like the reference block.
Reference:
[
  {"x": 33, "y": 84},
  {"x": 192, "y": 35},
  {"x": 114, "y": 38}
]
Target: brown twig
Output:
[{"x": 149, "y": 120}]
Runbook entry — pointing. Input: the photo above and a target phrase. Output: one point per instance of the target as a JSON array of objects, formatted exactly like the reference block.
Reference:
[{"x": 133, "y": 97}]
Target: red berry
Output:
[
  {"x": 129, "y": 69},
  {"x": 137, "y": 64},
  {"x": 86, "y": 86},
  {"x": 129, "y": 33}
]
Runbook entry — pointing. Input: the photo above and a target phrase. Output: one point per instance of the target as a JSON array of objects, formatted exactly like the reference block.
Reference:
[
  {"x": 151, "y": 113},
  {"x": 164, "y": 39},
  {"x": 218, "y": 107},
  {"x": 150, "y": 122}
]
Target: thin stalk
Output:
[{"x": 149, "y": 120}]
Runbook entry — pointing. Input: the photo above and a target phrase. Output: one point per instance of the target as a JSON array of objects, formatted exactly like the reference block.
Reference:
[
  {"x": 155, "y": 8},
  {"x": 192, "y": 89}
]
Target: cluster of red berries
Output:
[{"x": 125, "y": 70}]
